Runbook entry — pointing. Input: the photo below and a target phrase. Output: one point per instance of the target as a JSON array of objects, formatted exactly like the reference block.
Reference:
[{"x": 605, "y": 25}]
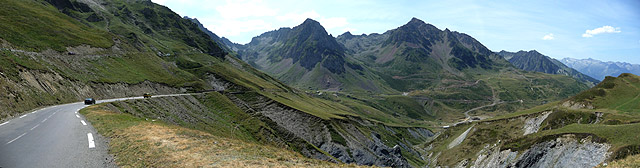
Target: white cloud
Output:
[
  {"x": 234, "y": 9},
  {"x": 334, "y": 22},
  {"x": 235, "y": 27},
  {"x": 349, "y": 29},
  {"x": 600, "y": 30},
  {"x": 298, "y": 17},
  {"x": 548, "y": 37},
  {"x": 327, "y": 23},
  {"x": 235, "y": 18}
]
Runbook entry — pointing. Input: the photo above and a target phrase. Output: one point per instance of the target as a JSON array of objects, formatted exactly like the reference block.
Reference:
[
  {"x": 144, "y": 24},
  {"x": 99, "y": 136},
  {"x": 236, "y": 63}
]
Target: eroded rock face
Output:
[
  {"x": 532, "y": 125},
  {"x": 353, "y": 145},
  {"x": 491, "y": 156},
  {"x": 34, "y": 88},
  {"x": 577, "y": 105},
  {"x": 564, "y": 151},
  {"x": 359, "y": 148},
  {"x": 459, "y": 139}
]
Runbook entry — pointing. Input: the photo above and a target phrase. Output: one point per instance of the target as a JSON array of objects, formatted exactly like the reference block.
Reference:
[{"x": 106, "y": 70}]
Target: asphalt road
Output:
[{"x": 55, "y": 136}]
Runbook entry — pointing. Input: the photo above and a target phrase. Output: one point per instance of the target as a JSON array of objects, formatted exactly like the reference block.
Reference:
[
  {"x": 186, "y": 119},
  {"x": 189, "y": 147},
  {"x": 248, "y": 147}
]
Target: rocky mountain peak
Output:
[
  {"x": 307, "y": 44},
  {"x": 416, "y": 21},
  {"x": 310, "y": 21},
  {"x": 419, "y": 24},
  {"x": 415, "y": 31},
  {"x": 346, "y": 35},
  {"x": 312, "y": 25},
  {"x": 533, "y": 52}
]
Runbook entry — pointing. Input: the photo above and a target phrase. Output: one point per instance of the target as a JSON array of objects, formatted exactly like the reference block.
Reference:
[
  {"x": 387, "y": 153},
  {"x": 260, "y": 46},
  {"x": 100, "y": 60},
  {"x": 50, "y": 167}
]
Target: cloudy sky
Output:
[{"x": 605, "y": 30}]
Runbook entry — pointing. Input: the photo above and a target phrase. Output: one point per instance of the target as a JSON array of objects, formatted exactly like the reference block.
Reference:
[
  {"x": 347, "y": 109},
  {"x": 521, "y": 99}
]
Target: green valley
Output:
[{"x": 413, "y": 96}]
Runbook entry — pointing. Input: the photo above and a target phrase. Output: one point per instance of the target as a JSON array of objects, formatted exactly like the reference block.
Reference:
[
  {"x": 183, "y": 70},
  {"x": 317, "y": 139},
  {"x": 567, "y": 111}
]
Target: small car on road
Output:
[
  {"x": 89, "y": 101},
  {"x": 147, "y": 95}
]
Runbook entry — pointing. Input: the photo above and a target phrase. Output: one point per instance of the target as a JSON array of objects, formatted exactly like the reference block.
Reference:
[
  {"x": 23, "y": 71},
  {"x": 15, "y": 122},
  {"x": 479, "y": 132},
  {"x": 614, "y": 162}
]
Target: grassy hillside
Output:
[
  {"x": 236, "y": 116},
  {"x": 610, "y": 121},
  {"x": 142, "y": 143},
  {"x": 119, "y": 48},
  {"x": 148, "y": 43},
  {"x": 25, "y": 22},
  {"x": 154, "y": 50},
  {"x": 94, "y": 50},
  {"x": 614, "y": 93}
]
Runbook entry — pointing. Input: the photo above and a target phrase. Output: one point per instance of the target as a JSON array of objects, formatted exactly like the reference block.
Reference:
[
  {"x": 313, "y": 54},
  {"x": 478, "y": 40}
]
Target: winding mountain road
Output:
[{"x": 55, "y": 136}]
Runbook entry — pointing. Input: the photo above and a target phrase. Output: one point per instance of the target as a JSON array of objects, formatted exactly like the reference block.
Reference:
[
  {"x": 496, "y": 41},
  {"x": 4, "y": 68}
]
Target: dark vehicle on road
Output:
[
  {"x": 88, "y": 101},
  {"x": 147, "y": 95}
]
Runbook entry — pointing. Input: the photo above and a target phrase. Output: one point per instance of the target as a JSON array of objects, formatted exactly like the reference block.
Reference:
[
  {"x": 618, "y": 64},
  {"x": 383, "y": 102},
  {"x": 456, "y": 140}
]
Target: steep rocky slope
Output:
[
  {"x": 143, "y": 142},
  {"x": 220, "y": 41},
  {"x": 97, "y": 49},
  {"x": 534, "y": 61},
  {"x": 256, "y": 118}
]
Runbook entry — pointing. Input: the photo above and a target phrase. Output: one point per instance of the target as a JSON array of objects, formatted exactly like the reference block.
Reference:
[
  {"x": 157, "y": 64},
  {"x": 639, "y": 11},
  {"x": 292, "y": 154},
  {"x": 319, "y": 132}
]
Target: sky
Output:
[{"x": 607, "y": 30}]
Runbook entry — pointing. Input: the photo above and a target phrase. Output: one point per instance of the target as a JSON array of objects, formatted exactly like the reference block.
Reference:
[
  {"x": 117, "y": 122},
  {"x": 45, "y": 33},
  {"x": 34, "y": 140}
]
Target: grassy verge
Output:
[
  {"x": 631, "y": 161},
  {"x": 139, "y": 143}
]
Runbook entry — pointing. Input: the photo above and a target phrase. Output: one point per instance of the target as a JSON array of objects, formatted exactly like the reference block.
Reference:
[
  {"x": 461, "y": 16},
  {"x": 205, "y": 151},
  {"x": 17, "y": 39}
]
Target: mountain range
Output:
[
  {"x": 535, "y": 61},
  {"x": 113, "y": 48},
  {"x": 600, "y": 69},
  {"x": 307, "y": 57},
  {"x": 447, "y": 72},
  {"x": 413, "y": 96}
]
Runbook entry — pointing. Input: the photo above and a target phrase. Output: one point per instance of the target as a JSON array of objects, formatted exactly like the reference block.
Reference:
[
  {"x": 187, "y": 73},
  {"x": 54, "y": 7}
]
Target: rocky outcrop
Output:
[
  {"x": 175, "y": 110},
  {"x": 532, "y": 125},
  {"x": 459, "y": 139},
  {"x": 352, "y": 145},
  {"x": 35, "y": 88},
  {"x": 349, "y": 140},
  {"x": 577, "y": 105},
  {"x": 564, "y": 151},
  {"x": 491, "y": 156}
]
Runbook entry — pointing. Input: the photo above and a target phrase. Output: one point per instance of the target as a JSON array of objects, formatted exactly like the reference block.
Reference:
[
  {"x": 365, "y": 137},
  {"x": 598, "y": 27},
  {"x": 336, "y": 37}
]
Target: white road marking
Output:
[
  {"x": 77, "y": 116},
  {"x": 91, "y": 143},
  {"x": 4, "y": 123},
  {"x": 44, "y": 120},
  {"x": 16, "y": 138},
  {"x": 83, "y": 123},
  {"x": 35, "y": 127},
  {"x": 23, "y": 116}
]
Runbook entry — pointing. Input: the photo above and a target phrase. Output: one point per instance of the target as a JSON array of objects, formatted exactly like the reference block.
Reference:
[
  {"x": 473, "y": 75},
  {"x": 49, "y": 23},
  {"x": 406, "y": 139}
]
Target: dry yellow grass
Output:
[
  {"x": 139, "y": 143},
  {"x": 629, "y": 162},
  {"x": 190, "y": 148}
]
